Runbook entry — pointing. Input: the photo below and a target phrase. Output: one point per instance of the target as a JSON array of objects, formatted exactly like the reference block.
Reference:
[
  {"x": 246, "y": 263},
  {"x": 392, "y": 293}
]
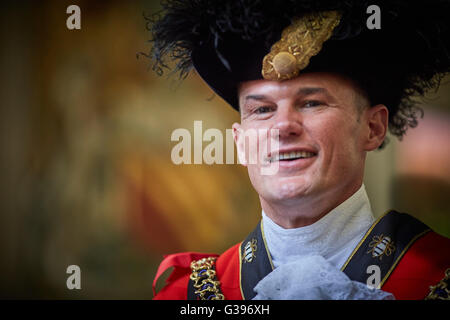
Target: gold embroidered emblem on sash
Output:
[
  {"x": 250, "y": 250},
  {"x": 381, "y": 245}
]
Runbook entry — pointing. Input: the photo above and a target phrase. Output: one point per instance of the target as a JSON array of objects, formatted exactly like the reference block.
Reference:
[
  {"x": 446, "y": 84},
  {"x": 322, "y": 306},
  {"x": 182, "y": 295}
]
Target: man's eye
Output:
[
  {"x": 312, "y": 104},
  {"x": 263, "y": 109}
]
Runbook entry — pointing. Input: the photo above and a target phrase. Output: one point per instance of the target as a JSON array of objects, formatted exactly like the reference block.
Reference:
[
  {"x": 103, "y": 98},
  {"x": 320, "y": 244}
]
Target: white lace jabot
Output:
[
  {"x": 314, "y": 278},
  {"x": 333, "y": 237}
]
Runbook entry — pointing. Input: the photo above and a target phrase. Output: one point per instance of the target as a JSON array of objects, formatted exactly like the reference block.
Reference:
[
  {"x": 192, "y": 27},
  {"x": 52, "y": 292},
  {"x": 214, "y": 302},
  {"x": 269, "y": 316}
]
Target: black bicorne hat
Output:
[{"x": 231, "y": 41}]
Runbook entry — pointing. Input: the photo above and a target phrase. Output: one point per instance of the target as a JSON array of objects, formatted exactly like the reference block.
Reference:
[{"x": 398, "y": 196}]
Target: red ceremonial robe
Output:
[{"x": 421, "y": 264}]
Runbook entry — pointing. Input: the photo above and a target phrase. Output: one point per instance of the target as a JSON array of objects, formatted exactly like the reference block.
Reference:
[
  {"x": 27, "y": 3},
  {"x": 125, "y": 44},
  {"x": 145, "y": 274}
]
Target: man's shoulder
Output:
[
  {"x": 422, "y": 266},
  {"x": 425, "y": 243},
  {"x": 426, "y": 249},
  {"x": 421, "y": 263},
  {"x": 176, "y": 286},
  {"x": 410, "y": 256}
]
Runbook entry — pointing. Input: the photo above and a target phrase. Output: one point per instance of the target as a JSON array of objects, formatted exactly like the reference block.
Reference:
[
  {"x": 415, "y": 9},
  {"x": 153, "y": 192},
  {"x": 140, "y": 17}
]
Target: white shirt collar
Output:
[{"x": 333, "y": 237}]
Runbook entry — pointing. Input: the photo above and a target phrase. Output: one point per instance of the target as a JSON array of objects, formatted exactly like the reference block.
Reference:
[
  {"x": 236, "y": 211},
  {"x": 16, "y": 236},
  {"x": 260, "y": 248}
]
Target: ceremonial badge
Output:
[{"x": 299, "y": 42}]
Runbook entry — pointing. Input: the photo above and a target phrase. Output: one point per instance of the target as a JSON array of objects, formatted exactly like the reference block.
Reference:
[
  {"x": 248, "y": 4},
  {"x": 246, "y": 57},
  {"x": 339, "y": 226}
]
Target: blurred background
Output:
[{"x": 86, "y": 173}]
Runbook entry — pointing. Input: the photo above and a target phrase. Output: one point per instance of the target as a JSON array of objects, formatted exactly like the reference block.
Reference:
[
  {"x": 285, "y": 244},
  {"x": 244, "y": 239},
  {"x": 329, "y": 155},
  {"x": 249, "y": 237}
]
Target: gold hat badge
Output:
[{"x": 299, "y": 42}]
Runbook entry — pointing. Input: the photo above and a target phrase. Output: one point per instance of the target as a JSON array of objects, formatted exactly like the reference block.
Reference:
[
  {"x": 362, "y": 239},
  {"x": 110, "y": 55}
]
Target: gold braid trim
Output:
[
  {"x": 441, "y": 290},
  {"x": 206, "y": 285},
  {"x": 299, "y": 42}
]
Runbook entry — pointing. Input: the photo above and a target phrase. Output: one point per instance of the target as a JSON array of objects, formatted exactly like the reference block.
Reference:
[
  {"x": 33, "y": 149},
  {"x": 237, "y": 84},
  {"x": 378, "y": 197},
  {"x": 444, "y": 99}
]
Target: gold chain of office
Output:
[{"x": 206, "y": 285}]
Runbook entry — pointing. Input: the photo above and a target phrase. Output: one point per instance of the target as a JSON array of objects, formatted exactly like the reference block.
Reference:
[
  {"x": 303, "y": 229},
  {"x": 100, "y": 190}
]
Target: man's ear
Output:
[
  {"x": 377, "y": 118},
  {"x": 238, "y": 140}
]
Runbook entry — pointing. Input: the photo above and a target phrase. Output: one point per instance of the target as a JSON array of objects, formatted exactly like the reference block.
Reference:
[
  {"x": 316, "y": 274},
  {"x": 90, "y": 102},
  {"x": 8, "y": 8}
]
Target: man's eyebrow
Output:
[
  {"x": 256, "y": 97},
  {"x": 311, "y": 90},
  {"x": 302, "y": 91}
]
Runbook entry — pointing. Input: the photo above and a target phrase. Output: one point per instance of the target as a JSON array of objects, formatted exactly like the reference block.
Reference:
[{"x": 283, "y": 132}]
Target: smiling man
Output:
[
  {"x": 330, "y": 88},
  {"x": 324, "y": 118}
]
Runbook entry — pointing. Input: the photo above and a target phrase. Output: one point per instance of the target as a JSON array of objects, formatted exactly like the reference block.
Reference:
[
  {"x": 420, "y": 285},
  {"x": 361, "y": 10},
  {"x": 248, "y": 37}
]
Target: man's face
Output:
[{"x": 322, "y": 134}]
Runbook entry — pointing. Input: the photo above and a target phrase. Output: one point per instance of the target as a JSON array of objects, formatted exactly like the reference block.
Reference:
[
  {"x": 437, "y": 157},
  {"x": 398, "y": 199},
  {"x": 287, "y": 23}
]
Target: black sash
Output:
[
  {"x": 384, "y": 244},
  {"x": 255, "y": 261}
]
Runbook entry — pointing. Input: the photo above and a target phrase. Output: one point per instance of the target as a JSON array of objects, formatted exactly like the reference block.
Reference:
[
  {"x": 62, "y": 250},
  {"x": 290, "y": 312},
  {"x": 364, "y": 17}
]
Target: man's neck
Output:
[{"x": 304, "y": 211}]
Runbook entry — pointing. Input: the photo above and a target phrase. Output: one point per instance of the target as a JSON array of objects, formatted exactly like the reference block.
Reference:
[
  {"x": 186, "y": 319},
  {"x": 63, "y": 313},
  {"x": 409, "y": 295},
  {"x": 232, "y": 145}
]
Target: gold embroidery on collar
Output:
[{"x": 299, "y": 42}]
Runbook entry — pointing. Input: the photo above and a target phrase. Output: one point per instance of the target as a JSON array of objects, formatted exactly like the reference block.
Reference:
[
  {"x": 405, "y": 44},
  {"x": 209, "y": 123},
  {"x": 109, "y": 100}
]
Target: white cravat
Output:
[{"x": 333, "y": 237}]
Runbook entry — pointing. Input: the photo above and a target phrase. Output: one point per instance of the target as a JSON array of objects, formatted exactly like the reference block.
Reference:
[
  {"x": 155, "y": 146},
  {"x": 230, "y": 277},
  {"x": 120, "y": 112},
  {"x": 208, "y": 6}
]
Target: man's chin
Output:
[{"x": 288, "y": 190}]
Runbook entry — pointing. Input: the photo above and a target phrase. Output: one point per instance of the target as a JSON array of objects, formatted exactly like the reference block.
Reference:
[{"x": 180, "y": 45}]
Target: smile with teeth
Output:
[{"x": 292, "y": 155}]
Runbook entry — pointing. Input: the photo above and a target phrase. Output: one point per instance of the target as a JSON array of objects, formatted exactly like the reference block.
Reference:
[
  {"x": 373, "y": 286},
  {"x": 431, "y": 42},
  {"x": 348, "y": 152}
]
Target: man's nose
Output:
[{"x": 289, "y": 122}]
